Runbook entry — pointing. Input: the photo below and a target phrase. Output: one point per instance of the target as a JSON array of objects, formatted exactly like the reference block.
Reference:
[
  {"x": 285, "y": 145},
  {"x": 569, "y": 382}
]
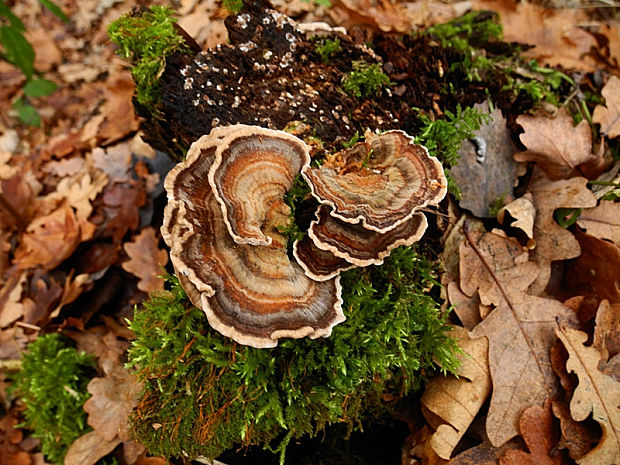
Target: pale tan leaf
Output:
[
  {"x": 555, "y": 145},
  {"x": 520, "y": 330},
  {"x": 89, "y": 448},
  {"x": 602, "y": 221},
  {"x": 524, "y": 213},
  {"x": 596, "y": 394},
  {"x": 11, "y": 306},
  {"x": 80, "y": 192},
  {"x": 552, "y": 241},
  {"x": 456, "y": 401},
  {"x": 608, "y": 116},
  {"x": 607, "y": 330}
]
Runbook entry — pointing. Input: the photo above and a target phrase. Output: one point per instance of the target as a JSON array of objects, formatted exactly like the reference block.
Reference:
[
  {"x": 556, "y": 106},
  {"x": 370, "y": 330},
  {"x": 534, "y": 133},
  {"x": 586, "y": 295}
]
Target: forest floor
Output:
[{"x": 82, "y": 200}]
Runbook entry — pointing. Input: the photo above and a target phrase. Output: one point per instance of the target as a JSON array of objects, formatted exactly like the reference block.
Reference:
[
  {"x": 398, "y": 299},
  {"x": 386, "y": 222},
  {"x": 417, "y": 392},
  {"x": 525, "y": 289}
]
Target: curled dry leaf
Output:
[
  {"x": 520, "y": 329},
  {"x": 602, "y": 221},
  {"x": 608, "y": 116},
  {"x": 552, "y": 241},
  {"x": 559, "y": 156},
  {"x": 146, "y": 260},
  {"x": 596, "y": 394},
  {"x": 607, "y": 332},
  {"x": 486, "y": 170},
  {"x": 536, "y": 426},
  {"x": 456, "y": 401},
  {"x": 524, "y": 213}
]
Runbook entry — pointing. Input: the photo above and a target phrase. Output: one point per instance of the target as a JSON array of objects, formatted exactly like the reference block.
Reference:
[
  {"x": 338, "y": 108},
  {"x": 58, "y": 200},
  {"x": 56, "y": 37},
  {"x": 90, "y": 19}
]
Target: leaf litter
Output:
[{"x": 78, "y": 232}]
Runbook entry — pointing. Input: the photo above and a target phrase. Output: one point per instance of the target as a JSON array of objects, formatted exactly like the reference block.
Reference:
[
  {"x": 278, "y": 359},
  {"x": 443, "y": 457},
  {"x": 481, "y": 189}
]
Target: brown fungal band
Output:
[
  {"x": 252, "y": 293},
  {"x": 379, "y": 183},
  {"x": 358, "y": 245},
  {"x": 253, "y": 169},
  {"x": 318, "y": 264}
]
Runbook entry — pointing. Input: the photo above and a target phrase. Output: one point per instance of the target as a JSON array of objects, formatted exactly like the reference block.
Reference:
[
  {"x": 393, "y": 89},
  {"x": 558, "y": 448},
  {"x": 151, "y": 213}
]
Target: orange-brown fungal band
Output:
[
  {"x": 252, "y": 293},
  {"x": 253, "y": 169},
  {"x": 379, "y": 183}
]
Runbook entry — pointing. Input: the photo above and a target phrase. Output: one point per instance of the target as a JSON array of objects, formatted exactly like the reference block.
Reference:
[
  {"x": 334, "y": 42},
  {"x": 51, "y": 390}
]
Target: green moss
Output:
[
  {"x": 210, "y": 394},
  {"x": 52, "y": 384},
  {"x": 234, "y": 6},
  {"x": 145, "y": 40},
  {"x": 365, "y": 80},
  {"x": 326, "y": 47},
  {"x": 296, "y": 194}
]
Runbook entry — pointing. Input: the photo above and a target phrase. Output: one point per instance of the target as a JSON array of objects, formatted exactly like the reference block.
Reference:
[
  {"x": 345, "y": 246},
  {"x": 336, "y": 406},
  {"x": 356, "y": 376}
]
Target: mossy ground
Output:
[
  {"x": 52, "y": 385},
  {"x": 205, "y": 394}
]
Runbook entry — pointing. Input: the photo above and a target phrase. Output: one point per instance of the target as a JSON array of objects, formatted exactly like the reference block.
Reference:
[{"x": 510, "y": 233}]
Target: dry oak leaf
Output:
[
  {"x": 554, "y": 33},
  {"x": 81, "y": 191},
  {"x": 520, "y": 329},
  {"x": 552, "y": 241},
  {"x": 89, "y": 448},
  {"x": 524, "y": 213},
  {"x": 596, "y": 394},
  {"x": 555, "y": 145},
  {"x": 536, "y": 426},
  {"x": 49, "y": 239},
  {"x": 376, "y": 14},
  {"x": 576, "y": 436},
  {"x": 146, "y": 260},
  {"x": 603, "y": 221},
  {"x": 11, "y": 306},
  {"x": 596, "y": 270},
  {"x": 485, "y": 178},
  {"x": 607, "y": 332},
  {"x": 608, "y": 116},
  {"x": 113, "y": 397},
  {"x": 455, "y": 401}
]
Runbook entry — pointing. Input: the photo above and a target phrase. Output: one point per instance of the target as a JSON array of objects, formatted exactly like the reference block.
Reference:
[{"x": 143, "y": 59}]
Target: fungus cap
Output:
[
  {"x": 358, "y": 245},
  {"x": 318, "y": 264},
  {"x": 252, "y": 293},
  {"x": 379, "y": 183},
  {"x": 253, "y": 168}
]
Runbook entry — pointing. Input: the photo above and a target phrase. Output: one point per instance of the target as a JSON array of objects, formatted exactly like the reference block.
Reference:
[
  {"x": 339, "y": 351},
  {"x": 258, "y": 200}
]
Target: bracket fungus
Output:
[
  {"x": 226, "y": 209},
  {"x": 252, "y": 293},
  {"x": 381, "y": 182}
]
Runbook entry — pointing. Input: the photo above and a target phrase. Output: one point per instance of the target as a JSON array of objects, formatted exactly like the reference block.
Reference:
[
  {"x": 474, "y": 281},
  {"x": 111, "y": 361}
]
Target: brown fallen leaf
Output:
[
  {"x": 146, "y": 260},
  {"x": 484, "y": 453},
  {"x": 467, "y": 308},
  {"x": 455, "y": 401},
  {"x": 376, "y": 14},
  {"x": 555, "y": 145},
  {"x": 596, "y": 394},
  {"x": 596, "y": 270},
  {"x": 602, "y": 221},
  {"x": 81, "y": 191},
  {"x": 10, "y": 437},
  {"x": 120, "y": 119},
  {"x": 49, "y": 240},
  {"x": 576, "y": 437},
  {"x": 89, "y": 448},
  {"x": 607, "y": 332},
  {"x": 555, "y": 34},
  {"x": 520, "y": 329},
  {"x": 552, "y": 241},
  {"x": 483, "y": 179},
  {"x": 536, "y": 426},
  {"x": 523, "y": 211},
  {"x": 113, "y": 397},
  {"x": 11, "y": 306},
  {"x": 608, "y": 116}
]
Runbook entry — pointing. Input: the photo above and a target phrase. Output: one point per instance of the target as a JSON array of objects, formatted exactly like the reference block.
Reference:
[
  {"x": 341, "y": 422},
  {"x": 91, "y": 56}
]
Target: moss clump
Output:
[
  {"x": 326, "y": 47},
  {"x": 52, "y": 384},
  {"x": 365, "y": 80},
  {"x": 145, "y": 39},
  {"x": 207, "y": 394}
]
